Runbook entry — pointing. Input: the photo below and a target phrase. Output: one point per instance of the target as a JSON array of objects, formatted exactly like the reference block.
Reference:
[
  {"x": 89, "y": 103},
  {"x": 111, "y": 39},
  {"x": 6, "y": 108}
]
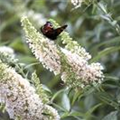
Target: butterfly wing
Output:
[
  {"x": 48, "y": 27},
  {"x": 50, "y": 32},
  {"x": 59, "y": 30}
]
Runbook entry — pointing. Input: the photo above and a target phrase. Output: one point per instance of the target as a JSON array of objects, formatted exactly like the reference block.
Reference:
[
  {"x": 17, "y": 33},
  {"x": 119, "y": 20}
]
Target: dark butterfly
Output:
[{"x": 50, "y": 32}]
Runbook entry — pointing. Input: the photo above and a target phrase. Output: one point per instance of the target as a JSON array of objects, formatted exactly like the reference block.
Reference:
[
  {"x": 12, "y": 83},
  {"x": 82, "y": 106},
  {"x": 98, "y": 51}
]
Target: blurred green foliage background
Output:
[{"x": 96, "y": 27}]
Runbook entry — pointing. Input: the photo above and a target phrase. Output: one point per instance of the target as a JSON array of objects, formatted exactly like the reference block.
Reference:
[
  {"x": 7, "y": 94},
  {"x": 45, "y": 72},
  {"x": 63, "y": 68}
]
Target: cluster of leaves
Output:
[{"x": 95, "y": 26}]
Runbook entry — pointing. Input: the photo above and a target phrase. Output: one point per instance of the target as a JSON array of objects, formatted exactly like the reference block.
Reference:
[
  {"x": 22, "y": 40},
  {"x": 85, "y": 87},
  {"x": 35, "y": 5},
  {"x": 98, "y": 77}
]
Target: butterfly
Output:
[{"x": 50, "y": 32}]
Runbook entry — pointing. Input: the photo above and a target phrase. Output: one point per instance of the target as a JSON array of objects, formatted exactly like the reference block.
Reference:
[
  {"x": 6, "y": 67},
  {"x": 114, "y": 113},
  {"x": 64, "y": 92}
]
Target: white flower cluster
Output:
[
  {"x": 72, "y": 45},
  {"x": 76, "y": 62},
  {"x": 84, "y": 72},
  {"x": 75, "y": 48},
  {"x": 76, "y": 3},
  {"x": 7, "y": 51},
  {"x": 43, "y": 49},
  {"x": 47, "y": 55},
  {"x": 20, "y": 98},
  {"x": 81, "y": 52},
  {"x": 7, "y": 54}
]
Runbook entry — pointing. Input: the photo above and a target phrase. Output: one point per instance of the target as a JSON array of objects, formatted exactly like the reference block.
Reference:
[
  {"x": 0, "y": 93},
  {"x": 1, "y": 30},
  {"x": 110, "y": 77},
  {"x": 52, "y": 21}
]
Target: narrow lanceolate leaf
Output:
[
  {"x": 66, "y": 101},
  {"x": 111, "y": 116},
  {"x": 105, "y": 52}
]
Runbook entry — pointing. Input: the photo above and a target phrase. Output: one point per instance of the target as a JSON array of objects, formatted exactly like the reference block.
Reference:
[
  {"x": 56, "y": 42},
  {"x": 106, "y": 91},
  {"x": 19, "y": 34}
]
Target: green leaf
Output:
[
  {"x": 90, "y": 111},
  {"x": 106, "y": 42},
  {"x": 66, "y": 101},
  {"x": 114, "y": 78},
  {"x": 65, "y": 114},
  {"x": 104, "y": 52},
  {"x": 56, "y": 94},
  {"x": 108, "y": 99},
  {"x": 111, "y": 116},
  {"x": 75, "y": 113},
  {"x": 111, "y": 81},
  {"x": 76, "y": 96}
]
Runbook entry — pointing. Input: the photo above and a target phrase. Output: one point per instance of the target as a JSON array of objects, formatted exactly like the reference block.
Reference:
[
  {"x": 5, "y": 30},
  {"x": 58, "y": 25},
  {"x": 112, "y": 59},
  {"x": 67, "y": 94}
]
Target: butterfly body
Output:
[{"x": 51, "y": 32}]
